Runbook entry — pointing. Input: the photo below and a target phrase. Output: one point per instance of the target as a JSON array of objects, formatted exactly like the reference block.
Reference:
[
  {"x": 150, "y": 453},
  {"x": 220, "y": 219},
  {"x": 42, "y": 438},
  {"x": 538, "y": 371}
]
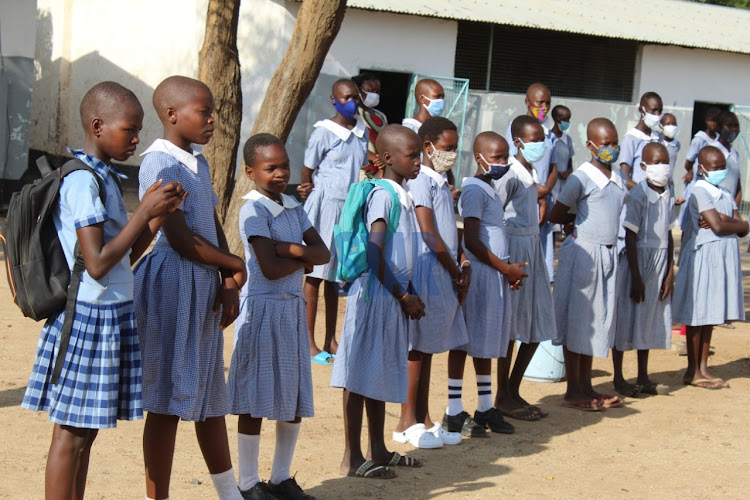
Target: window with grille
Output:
[{"x": 505, "y": 58}]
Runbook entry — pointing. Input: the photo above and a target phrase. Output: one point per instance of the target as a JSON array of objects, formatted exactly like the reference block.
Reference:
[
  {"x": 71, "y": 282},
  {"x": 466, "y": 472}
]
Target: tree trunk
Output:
[
  {"x": 317, "y": 25},
  {"x": 219, "y": 68}
]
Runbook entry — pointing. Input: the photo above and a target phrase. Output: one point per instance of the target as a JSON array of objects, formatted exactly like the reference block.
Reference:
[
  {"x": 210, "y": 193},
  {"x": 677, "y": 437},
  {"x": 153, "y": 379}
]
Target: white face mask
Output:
[
  {"x": 658, "y": 174},
  {"x": 371, "y": 99},
  {"x": 650, "y": 120},
  {"x": 669, "y": 131}
]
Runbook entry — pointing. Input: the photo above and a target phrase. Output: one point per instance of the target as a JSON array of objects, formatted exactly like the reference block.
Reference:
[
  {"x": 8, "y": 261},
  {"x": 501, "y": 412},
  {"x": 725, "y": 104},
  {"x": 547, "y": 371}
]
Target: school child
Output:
[
  {"x": 375, "y": 120},
  {"x": 371, "y": 365},
  {"x": 533, "y": 318},
  {"x": 336, "y": 151},
  {"x": 438, "y": 279},
  {"x": 103, "y": 349},
  {"x": 708, "y": 288},
  {"x": 666, "y": 136},
  {"x": 186, "y": 292},
  {"x": 487, "y": 309},
  {"x": 700, "y": 139},
  {"x": 650, "y": 108},
  {"x": 543, "y": 156},
  {"x": 728, "y": 130},
  {"x": 563, "y": 145},
  {"x": 270, "y": 375},
  {"x": 430, "y": 98},
  {"x": 584, "y": 294},
  {"x": 645, "y": 274}
]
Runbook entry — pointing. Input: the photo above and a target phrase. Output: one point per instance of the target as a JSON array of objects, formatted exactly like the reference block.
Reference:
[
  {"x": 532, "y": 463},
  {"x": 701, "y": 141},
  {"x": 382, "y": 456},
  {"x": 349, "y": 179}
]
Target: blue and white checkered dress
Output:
[
  {"x": 270, "y": 375},
  {"x": 180, "y": 338},
  {"x": 100, "y": 380}
]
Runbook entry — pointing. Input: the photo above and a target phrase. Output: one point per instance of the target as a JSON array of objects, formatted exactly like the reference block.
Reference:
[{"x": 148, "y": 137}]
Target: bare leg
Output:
[
  {"x": 310, "y": 291},
  {"x": 353, "y": 457},
  {"x": 83, "y": 465},
  {"x": 332, "y": 309},
  {"x": 503, "y": 399},
  {"x": 456, "y": 363},
  {"x": 643, "y": 379},
  {"x": 585, "y": 366},
  {"x": 64, "y": 462},
  {"x": 693, "y": 344},
  {"x": 574, "y": 392},
  {"x": 159, "y": 436},
  {"x": 408, "y": 409},
  {"x": 706, "y": 333},
  {"x": 376, "y": 449},
  {"x": 212, "y": 438},
  {"x": 622, "y": 386},
  {"x": 422, "y": 409}
]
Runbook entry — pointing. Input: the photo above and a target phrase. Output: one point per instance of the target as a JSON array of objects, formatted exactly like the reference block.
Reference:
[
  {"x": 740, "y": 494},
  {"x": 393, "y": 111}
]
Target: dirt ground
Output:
[{"x": 690, "y": 444}]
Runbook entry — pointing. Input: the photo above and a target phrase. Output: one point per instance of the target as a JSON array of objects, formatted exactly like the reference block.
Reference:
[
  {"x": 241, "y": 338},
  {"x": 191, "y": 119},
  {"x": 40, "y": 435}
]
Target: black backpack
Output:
[{"x": 40, "y": 280}]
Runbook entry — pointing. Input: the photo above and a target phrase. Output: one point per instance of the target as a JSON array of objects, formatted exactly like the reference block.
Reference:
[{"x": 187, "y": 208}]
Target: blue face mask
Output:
[
  {"x": 496, "y": 170},
  {"x": 564, "y": 126},
  {"x": 436, "y": 106},
  {"x": 606, "y": 154},
  {"x": 533, "y": 151},
  {"x": 347, "y": 110},
  {"x": 714, "y": 177}
]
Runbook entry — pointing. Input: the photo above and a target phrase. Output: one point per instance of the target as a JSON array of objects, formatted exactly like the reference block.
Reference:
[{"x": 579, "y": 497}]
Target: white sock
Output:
[
  {"x": 226, "y": 485},
  {"x": 484, "y": 391},
  {"x": 248, "y": 446},
  {"x": 455, "y": 388},
  {"x": 286, "y": 441}
]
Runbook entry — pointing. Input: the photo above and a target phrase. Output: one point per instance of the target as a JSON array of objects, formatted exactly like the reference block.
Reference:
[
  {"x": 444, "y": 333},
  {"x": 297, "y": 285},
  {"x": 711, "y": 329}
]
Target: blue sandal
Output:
[{"x": 323, "y": 358}]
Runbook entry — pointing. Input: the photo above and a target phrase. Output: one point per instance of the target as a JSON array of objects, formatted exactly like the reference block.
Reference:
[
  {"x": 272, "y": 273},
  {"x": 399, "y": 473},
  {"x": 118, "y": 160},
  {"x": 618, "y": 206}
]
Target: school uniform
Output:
[
  {"x": 564, "y": 151},
  {"x": 412, "y": 124},
  {"x": 372, "y": 356},
  {"x": 631, "y": 152},
  {"x": 543, "y": 167},
  {"x": 699, "y": 141},
  {"x": 673, "y": 148},
  {"x": 180, "y": 338},
  {"x": 487, "y": 308},
  {"x": 648, "y": 324},
  {"x": 100, "y": 381},
  {"x": 584, "y": 294},
  {"x": 442, "y": 328},
  {"x": 269, "y": 376},
  {"x": 708, "y": 287},
  {"x": 533, "y": 318},
  {"x": 336, "y": 154},
  {"x": 733, "y": 167}
]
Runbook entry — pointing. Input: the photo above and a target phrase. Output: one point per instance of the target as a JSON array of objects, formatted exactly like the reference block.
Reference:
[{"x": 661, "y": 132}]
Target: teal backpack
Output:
[{"x": 350, "y": 234}]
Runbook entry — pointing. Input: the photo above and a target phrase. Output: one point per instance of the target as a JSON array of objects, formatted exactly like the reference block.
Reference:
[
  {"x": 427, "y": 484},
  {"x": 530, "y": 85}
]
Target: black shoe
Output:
[
  {"x": 289, "y": 490},
  {"x": 258, "y": 492},
  {"x": 493, "y": 420},
  {"x": 464, "y": 424}
]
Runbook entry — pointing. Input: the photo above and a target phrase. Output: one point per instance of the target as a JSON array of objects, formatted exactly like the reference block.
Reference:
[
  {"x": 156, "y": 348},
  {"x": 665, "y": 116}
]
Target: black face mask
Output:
[{"x": 728, "y": 135}]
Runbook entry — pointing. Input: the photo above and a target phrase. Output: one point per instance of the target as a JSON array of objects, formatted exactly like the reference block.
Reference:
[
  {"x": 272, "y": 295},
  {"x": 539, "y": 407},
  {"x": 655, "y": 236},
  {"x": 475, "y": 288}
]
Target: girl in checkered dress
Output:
[{"x": 100, "y": 380}]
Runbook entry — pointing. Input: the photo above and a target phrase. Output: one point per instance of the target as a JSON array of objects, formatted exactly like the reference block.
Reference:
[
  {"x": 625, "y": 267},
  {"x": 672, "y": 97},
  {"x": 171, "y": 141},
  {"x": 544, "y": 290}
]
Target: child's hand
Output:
[
  {"x": 542, "y": 211},
  {"x": 304, "y": 190},
  {"x": 412, "y": 306},
  {"x": 462, "y": 284},
  {"x": 378, "y": 162},
  {"x": 515, "y": 275},
  {"x": 667, "y": 288},
  {"x": 240, "y": 277},
  {"x": 688, "y": 177},
  {"x": 569, "y": 228},
  {"x": 456, "y": 194},
  {"x": 287, "y": 250},
  {"x": 160, "y": 201},
  {"x": 638, "y": 291},
  {"x": 228, "y": 300},
  {"x": 564, "y": 174}
]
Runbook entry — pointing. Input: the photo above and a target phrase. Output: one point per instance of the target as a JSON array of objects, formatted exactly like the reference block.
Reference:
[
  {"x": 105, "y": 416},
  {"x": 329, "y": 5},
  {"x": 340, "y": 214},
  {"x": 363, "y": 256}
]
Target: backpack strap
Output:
[{"x": 395, "y": 214}]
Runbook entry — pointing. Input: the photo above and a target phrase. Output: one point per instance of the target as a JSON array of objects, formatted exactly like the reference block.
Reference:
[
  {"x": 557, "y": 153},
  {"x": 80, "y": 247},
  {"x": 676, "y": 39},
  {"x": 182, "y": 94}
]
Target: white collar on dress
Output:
[
  {"x": 469, "y": 181},
  {"x": 527, "y": 178},
  {"x": 639, "y": 134},
  {"x": 599, "y": 178},
  {"x": 273, "y": 207},
  {"x": 717, "y": 144},
  {"x": 703, "y": 135},
  {"x": 651, "y": 195},
  {"x": 190, "y": 160},
  {"x": 716, "y": 192},
  {"x": 343, "y": 133},
  {"x": 404, "y": 196},
  {"x": 440, "y": 179}
]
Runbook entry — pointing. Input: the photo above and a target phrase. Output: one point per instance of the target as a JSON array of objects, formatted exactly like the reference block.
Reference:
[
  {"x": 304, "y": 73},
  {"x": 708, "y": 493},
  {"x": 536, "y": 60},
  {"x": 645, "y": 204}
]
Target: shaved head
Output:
[
  {"x": 174, "y": 92},
  {"x": 488, "y": 138},
  {"x": 535, "y": 89},
  {"x": 428, "y": 87},
  {"x": 395, "y": 137},
  {"x": 648, "y": 96},
  {"x": 598, "y": 127},
  {"x": 710, "y": 155},
  {"x": 106, "y": 100},
  {"x": 344, "y": 82},
  {"x": 655, "y": 152}
]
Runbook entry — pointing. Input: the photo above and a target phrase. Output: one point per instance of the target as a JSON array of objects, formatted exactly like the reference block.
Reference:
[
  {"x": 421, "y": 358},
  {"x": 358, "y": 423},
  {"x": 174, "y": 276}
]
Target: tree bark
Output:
[
  {"x": 317, "y": 25},
  {"x": 219, "y": 68}
]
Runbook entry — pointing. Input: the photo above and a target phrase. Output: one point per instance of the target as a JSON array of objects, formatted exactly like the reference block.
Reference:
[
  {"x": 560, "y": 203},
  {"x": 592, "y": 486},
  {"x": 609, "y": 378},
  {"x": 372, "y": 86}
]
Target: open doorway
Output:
[
  {"x": 394, "y": 92},
  {"x": 699, "y": 113}
]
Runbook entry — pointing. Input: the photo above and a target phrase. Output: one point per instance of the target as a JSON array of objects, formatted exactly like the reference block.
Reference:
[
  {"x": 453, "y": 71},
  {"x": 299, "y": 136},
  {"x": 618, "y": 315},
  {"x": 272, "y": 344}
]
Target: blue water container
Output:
[{"x": 547, "y": 364}]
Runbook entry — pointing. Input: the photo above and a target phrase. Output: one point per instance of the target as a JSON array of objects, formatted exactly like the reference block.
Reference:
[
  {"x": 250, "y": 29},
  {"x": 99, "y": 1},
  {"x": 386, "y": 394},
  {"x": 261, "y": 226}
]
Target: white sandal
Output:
[
  {"x": 418, "y": 436},
  {"x": 448, "y": 438}
]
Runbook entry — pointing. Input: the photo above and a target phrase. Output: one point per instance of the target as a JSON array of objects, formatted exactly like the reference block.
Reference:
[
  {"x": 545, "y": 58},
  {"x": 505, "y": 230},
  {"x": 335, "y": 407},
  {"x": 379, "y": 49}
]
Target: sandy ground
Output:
[{"x": 690, "y": 444}]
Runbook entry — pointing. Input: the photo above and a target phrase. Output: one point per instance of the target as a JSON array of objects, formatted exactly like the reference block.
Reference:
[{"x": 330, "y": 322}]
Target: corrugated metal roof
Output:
[{"x": 672, "y": 22}]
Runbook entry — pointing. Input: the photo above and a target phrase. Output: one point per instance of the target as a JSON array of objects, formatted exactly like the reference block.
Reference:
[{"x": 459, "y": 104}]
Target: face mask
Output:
[
  {"x": 658, "y": 174},
  {"x": 650, "y": 120},
  {"x": 347, "y": 110},
  {"x": 371, "y": 99},
  {"x": 442, "y": 161},
  {"x": 714, "y": 177},
  {"x": 564, "y": 126},
  {"x": 606, "y": 154},
  {"x": 436, "y": 106},
  {"x": 495, "y": 170},
  {"x": 728, "y": 135},
  {"x": 669, "y": 131},
  {"x": 533, "y": 151},
  {"x": 540, "y": 113}
]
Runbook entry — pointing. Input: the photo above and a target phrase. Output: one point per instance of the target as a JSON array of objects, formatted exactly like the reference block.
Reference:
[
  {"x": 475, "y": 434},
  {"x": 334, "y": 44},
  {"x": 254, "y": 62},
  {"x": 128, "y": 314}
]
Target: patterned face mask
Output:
[
  {"x": 442, "y": 161},
  {"x": 539, "y": 112},
  {"x": 606, "y": 154}
]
